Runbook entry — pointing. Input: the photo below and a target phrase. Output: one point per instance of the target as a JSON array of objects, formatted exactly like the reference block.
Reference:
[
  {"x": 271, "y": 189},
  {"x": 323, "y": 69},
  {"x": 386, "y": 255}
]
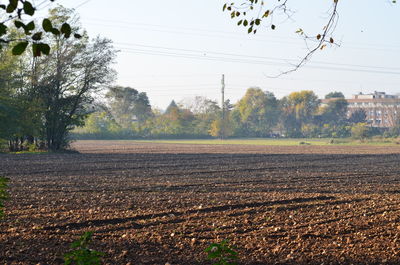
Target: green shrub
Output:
[
  {"x": 81, "y": 253},
  {"x": 3, "y": 194},
  {"x": 222, "y": 253},
  {"x": 31, "y": 147},
  {"x": 360, "y": 131}
]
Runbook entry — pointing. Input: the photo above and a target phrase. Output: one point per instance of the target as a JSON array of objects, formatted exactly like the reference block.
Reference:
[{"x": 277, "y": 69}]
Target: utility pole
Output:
[{"x": 223, "y": 107}]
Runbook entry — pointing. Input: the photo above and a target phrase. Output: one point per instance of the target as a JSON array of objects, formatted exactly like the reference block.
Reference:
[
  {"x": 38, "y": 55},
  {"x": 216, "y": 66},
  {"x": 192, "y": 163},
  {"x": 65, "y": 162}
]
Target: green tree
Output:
[
  {"x": 99, "y": 124},
  {"x": 128, "y": 105},
  {"x": 360, "y": 131},
  {"x": 65, "y": 80},
  {"x": 205, "y": 111},
  {"x": 358, "y": 116},
  {"x": 19, "y": 112},
  {"x": 298, "y": 109},
  {"x": 172, "y": 107},
  {"x": 176, "y": 122},
  {"x": 8, "y": 107},
  {"x": 200, "y": 105},
  {"x": 335, "y": 112},
  {"x": 257, "y": 113},
  {"x": 334, "y": 94},
  {"x": 311, "y": 130},
  {"x": 221, "y": 128}
]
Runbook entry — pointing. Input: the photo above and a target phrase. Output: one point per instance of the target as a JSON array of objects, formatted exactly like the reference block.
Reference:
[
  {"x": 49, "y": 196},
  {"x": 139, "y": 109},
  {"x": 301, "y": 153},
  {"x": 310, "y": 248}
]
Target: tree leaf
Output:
[
  {"x": 47, "y": 26},
  {"x": 44, "y": 48},
  {"x": 28, "y": 8},
  {"x": 37, "y": 36},
  {"x": 14, "y": 3},
  {"x": 12, "y": 6},
  {"x": 66, "y": 30},
  {"x": 55, "y": 31},
  {"x": 30, "y": 26},
  {"x": 3, "y": 29},
  {"x": 19, "y": 24},
  {"x": 20, "y": 48}
]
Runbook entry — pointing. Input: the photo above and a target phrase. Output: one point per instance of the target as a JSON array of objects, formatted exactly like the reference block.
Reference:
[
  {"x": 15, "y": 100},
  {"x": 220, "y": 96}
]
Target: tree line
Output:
[{"x": 127, "y": 114}]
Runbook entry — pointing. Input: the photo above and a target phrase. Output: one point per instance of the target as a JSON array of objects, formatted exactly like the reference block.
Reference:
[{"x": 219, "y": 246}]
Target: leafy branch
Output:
[
  {"x": 252, "y": 13},
  {"x": 32, "y": 31}
]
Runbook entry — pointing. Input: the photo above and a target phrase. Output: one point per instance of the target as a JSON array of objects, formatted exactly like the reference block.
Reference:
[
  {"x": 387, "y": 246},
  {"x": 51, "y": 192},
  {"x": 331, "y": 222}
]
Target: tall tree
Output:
[
  {"x": 19, "y": 112},
  {"x": 335, "y": 112},
  {"x": 128, "y": 105},
  {"x": 175, "y": 122},
  {"x": 298, "y": 109},
  {"x": 200, "y": 105},
  {"x": 258, "y": 112},
  {"x": 221, "y": 128},
  {"x": 358, "y": 116},
  {"x": 66, "y": 80},
  {"x": 334, "y": 94},
  {"x": 172, "y": 107},
  {"x": 8, "y": 108},
  {"x": 205, "y": 112}
]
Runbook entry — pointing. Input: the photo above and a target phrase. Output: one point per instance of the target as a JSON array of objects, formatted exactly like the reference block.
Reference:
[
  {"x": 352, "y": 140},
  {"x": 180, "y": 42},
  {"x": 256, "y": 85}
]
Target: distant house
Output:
[{"x": 382, "y": 110}]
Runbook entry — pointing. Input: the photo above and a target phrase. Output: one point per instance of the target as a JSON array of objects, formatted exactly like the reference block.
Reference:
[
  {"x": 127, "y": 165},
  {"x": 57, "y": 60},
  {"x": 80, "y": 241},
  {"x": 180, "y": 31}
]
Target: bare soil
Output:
[{"x": 158, "y": 203}]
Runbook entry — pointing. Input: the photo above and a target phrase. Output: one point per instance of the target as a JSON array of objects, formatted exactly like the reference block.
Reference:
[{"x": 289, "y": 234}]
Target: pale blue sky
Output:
[{"x": 167, "y": 48}]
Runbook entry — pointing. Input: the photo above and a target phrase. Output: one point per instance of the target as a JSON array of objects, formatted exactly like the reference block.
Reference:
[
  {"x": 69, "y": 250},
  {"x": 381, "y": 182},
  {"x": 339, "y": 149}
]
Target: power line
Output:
[
  {"x": 253, "y": 62},
  {"x": 195, "y": 34},
  {"x": 377, "y": 47},
  {"x": 82, "y": 4},
  {"x": 181, "y": 85},
  {"x": 188, "y": 75},
  {"x": 194, "y": 87},
  {"x": 40, "y": 4},
  {"x": 252, "y": 56},
  {"x": 196, "y": 30},
  {"x": 45, "y": 6}
]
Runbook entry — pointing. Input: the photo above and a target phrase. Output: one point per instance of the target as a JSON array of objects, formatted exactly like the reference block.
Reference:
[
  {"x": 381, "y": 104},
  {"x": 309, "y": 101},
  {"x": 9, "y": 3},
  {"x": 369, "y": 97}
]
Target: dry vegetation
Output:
[{"x": 157, "y": 203}]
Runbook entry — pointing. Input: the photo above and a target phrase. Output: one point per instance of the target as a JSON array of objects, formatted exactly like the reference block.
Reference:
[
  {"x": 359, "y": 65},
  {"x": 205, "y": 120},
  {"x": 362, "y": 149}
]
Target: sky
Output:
[{"x": 179, "y": 49}]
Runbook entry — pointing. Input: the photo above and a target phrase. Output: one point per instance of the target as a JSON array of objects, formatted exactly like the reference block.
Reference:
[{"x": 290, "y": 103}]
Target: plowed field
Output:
[{"x": 165, "y": 203}]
